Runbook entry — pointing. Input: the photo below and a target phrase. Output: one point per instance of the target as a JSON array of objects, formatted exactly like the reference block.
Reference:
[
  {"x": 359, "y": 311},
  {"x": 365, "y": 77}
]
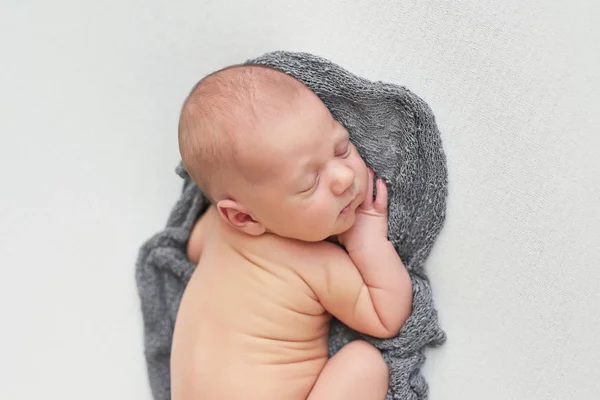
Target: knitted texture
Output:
[{"x": 395, "y": 133}]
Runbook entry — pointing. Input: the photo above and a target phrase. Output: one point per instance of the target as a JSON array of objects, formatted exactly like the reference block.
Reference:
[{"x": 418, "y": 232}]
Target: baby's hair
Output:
[{"x": 220, "y": 112}]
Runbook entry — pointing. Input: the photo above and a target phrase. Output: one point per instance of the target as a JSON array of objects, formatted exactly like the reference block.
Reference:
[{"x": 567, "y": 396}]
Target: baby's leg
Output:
[{"x": 357, "y": 371}]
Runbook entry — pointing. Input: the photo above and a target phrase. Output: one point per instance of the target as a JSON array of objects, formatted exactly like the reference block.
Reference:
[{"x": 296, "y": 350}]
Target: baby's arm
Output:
[
  {"x": 386, "y": 288},
  {"x": 368, "y": 288}
]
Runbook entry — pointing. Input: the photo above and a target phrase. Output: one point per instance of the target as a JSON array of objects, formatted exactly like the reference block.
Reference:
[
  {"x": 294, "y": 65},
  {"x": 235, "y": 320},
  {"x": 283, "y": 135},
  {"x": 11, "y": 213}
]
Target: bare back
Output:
[{"x": 249, "y": 326}]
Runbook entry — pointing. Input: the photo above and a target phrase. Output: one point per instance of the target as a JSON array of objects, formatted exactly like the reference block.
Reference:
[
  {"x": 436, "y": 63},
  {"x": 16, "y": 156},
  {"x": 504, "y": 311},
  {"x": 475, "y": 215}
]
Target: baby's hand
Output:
[{"x": 371, "y": 223}]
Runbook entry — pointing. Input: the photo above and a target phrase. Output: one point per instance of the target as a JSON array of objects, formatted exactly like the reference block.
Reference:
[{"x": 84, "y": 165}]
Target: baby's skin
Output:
[{"x": 254, "y": 319}]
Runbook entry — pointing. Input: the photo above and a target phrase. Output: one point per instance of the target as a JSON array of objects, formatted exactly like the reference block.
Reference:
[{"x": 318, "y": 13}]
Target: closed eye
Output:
[
  {"x": 312, "y": 187},
  {"x": 346, "y": 152}
]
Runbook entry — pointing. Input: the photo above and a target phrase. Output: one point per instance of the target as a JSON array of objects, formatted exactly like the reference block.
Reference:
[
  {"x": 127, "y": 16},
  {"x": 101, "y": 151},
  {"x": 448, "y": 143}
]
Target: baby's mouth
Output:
[{"x": 348, "y": 207}]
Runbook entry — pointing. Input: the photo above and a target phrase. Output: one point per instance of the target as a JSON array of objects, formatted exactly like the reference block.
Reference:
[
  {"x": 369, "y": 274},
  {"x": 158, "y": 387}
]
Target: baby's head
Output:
[{"x": 269, "y": 155}]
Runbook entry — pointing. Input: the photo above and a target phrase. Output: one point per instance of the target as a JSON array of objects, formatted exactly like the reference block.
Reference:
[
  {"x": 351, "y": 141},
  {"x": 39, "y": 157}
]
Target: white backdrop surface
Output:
[{"x": 89, "y": 97}]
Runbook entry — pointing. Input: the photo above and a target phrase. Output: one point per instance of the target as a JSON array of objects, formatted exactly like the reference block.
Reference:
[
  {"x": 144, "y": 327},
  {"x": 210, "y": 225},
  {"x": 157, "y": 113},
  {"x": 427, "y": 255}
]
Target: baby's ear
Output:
[{"x": 237, "y": 216}]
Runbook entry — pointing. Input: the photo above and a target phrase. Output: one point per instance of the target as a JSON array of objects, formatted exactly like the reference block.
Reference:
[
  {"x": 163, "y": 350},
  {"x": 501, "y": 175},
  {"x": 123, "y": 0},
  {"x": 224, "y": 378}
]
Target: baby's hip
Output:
[{"x": 240, "y": 380}]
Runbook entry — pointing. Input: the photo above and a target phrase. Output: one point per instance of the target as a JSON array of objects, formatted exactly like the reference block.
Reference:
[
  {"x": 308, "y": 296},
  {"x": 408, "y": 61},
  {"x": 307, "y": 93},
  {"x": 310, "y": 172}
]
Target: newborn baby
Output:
[{"x": 285, "y": 183}]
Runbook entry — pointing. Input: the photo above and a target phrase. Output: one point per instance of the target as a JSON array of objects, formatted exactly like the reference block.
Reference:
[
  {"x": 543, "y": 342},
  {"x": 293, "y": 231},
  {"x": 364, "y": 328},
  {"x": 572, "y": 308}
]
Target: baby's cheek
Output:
[
  {"x": 360, "y": 167},
  {"x": 361, "y": 182},
  {"x": 321, "y": 217},
  {"x": 331, "y": 214}
]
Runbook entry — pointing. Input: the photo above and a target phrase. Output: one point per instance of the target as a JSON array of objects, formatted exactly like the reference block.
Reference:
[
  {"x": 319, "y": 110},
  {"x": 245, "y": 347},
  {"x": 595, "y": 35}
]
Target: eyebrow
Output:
[
  {"x": 345, "y": 135},
  {"x": 343, "y": 129}
]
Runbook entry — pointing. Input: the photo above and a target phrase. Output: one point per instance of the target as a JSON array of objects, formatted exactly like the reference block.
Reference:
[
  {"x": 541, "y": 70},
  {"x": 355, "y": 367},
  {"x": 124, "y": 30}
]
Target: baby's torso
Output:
[{"x": 248, "y": 325}]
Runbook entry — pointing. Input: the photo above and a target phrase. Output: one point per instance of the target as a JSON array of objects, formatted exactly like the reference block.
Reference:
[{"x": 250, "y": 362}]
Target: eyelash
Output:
[
  {"x": 313, "y": 186},
  {"x": 345, "y": 153}
]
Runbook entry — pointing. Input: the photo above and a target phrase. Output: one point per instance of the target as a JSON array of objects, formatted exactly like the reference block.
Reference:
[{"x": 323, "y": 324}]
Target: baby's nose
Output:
[{"x": 343, "y": 180}]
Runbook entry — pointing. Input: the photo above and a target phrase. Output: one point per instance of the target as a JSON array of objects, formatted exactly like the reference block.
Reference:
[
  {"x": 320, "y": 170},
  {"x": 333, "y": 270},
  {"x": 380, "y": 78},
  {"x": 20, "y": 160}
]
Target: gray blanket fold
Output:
[{"x": 395, "y": 132}]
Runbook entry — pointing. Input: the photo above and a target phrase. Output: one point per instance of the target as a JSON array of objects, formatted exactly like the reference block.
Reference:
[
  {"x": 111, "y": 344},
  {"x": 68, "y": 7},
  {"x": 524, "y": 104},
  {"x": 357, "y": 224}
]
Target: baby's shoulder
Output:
[{"x": 310, "y": 255}]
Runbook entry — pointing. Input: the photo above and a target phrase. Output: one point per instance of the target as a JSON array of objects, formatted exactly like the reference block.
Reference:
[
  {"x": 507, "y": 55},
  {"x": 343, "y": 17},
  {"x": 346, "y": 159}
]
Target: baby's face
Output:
[{"x": 317, "y": 179}]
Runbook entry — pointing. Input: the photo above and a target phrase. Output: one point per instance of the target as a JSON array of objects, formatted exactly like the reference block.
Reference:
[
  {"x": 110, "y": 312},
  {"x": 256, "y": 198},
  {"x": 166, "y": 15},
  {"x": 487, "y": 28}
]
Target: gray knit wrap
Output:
[{"x": 395, "y": 132}]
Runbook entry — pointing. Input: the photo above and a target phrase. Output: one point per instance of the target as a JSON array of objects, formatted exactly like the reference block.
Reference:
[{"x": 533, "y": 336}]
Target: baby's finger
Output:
[
  {"x": 381, "y": 201},
  {"x": 368, "y": 202}
]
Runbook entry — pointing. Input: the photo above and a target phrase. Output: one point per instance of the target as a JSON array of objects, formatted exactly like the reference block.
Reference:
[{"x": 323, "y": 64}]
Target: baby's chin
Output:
[{"x": 346, "y": 221}]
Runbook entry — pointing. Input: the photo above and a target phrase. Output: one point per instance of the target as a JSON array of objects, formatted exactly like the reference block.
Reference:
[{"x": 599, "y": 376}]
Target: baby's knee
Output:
[{"x": 369, "y": 362}]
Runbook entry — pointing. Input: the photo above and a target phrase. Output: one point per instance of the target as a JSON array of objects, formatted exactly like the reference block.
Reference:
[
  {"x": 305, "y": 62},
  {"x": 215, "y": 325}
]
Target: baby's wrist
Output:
[{"x": 369, "y": 250}]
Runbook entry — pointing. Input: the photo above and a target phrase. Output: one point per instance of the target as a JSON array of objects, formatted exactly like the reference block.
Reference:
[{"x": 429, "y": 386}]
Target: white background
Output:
[{"x": 89, "y": 97}]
